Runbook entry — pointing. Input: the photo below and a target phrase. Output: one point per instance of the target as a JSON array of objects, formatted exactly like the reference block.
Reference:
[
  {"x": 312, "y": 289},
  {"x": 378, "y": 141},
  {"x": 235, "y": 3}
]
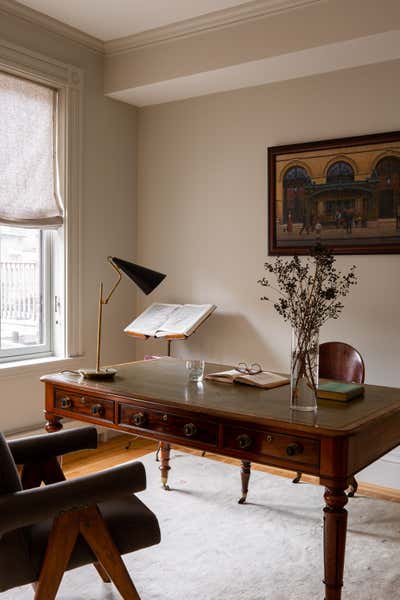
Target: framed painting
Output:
[{"x": 343, "y": 193}]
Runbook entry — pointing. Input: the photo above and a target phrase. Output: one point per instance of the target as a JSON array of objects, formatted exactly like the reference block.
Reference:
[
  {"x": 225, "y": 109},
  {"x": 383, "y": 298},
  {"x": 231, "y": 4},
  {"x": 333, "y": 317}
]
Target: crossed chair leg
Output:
[
  {"x": 50, "y": 471},
  {"x": 90, "y": 524}
]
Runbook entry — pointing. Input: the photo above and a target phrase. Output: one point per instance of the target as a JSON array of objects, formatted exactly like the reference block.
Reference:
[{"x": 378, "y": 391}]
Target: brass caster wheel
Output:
[{"x": 353, "y": 487}]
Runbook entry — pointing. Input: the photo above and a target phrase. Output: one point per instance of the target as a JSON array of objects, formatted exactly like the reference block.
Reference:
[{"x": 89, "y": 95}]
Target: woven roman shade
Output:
[{"x": 28, "y": 174}]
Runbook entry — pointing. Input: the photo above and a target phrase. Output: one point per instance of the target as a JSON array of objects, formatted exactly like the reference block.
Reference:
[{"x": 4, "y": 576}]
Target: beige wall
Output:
[
  {"x": 202, "y": 213},
  {"x": 202, "y": 217},
  {"x": 108, "y": 215}
]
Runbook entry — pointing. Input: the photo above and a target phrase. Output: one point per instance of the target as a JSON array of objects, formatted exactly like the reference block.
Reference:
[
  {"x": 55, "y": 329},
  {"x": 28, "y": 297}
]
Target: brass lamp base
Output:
[{"x": 98, "y": 373}]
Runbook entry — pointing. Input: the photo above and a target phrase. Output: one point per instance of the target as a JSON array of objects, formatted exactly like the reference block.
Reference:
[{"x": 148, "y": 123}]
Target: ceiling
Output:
[{"x": 108, "y": 20}]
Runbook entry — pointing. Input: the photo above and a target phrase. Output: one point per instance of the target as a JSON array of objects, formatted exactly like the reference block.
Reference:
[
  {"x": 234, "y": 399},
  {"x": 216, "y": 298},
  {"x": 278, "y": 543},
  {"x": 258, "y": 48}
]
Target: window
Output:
[
  {"x": 387, "y": 172},
  {"x": 28, "y": 197},
  {"x": 294, "y": 181},
  {"x": 25, "y": 280},
  {"x": 40, "y": 293},
  {"x": 340, "y": 172}
]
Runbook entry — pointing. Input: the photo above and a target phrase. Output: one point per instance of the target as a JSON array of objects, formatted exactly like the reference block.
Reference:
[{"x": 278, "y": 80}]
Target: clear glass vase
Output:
[{"x": 304, "y": 370}]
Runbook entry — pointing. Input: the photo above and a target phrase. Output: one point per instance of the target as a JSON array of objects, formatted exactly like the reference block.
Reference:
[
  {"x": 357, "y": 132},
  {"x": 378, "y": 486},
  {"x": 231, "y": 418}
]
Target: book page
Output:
[
  {"x": 265, "y": 379},
  {"x": 223, "y": 376},
  {"x": 186, "y": 319},
  {"x": 152, "y": 319}
]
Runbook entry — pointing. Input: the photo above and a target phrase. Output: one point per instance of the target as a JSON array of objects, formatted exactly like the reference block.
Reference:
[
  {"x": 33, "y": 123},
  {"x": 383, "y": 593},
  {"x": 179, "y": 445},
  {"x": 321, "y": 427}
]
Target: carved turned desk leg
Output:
[
  {"x": 335, "y": 526},
  {"x": 52, "y": 422},
  {"x": 165, "y": 449},
  {"x": 245, "y": 471}
]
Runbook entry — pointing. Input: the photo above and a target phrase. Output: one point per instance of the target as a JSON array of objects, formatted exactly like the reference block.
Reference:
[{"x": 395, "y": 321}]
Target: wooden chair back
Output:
[{"x": 342, "y": 362}]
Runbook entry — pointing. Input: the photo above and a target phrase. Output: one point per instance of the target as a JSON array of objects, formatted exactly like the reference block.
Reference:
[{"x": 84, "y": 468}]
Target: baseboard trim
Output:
[
  {"x": 364, "y": 489},
  {"x": 370, "y": 490},
  {"x": 104, "y": 434},
  {"x": 377, "y": 491}
]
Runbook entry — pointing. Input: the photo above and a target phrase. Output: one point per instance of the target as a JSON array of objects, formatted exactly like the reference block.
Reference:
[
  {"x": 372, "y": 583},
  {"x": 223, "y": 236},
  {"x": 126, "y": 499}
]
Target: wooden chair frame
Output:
[
  {"x": 86, "y": 521},
  {"x": 90, "y": 524}
]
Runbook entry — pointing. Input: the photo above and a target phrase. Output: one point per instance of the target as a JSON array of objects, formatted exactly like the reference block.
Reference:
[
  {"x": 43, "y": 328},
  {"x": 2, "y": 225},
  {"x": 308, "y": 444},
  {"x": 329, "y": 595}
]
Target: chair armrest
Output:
[
  {"x": 46, "y": 445},
  {"x": 26, "y": 507}
]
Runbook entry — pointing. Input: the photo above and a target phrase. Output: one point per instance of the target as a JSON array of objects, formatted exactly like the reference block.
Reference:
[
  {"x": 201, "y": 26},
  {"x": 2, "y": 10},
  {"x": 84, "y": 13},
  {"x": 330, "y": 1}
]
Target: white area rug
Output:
[{"x": 270, "y": 549}]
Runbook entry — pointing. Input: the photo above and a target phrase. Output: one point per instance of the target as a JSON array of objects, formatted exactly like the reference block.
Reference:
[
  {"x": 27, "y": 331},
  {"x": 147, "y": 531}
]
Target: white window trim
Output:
[{"x": 68, "y": 81}]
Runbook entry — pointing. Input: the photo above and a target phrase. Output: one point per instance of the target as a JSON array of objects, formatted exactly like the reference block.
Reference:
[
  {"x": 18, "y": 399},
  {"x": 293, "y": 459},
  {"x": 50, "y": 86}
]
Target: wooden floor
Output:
[{"x": 127, "y": 447}]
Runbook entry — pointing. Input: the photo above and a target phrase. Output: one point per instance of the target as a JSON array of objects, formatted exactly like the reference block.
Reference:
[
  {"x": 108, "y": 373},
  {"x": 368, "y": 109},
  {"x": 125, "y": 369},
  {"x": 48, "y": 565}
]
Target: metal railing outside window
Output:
[{"x": 25, "y": 292}]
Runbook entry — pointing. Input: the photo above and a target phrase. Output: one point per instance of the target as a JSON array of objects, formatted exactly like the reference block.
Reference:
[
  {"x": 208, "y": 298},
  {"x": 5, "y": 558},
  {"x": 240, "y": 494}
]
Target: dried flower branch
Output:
[{"x": 306, "y": 295}]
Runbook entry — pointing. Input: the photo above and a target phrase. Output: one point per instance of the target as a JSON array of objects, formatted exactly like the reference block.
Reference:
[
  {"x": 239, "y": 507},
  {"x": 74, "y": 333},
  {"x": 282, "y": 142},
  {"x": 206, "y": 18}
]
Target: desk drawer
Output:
[
  {"x": 98, "y": 408},
  {"x": 268, "y": 443},
  {"x": 186, "y": 428}
]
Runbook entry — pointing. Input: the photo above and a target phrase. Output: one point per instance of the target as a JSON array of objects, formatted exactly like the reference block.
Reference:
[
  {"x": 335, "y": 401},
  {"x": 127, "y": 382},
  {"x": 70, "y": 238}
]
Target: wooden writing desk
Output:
[{"x": 154, "y": 399}]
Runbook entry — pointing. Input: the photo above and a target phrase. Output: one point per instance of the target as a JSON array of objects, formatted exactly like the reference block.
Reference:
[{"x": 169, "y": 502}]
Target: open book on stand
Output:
[
  {"x": 169, "y": 321},
  {"x": 265, "y": 379}
]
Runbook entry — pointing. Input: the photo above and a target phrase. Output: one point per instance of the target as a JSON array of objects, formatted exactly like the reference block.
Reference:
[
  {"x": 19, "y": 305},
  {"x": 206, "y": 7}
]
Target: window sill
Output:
[{"x": 38, "y": 366}]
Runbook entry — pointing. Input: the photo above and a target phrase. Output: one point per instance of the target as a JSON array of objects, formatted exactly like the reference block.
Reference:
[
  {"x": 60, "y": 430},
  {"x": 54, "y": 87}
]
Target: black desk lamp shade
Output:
[{"x": 144, "y": 278}]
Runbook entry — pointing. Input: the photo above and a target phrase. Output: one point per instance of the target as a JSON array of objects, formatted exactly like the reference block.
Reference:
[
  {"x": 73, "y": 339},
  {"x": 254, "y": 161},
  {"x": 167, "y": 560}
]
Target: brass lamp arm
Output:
[
  {"x": 106, "y": 300},
  {"x": 146, "y": 279},
  {"x": 102, "y": 302}
]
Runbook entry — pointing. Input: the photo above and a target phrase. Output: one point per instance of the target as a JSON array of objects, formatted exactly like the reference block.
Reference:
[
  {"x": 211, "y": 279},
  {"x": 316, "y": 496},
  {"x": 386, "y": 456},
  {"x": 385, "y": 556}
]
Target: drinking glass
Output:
[{"x": 195, "y": 369}]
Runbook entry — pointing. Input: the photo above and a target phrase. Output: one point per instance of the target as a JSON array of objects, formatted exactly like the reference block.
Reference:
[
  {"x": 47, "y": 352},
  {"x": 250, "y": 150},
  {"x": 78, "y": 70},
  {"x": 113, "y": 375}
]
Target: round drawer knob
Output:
[
  {"x": 97, "y": 410},
  {"x": 294, "y": 449},
  {"x": 244, "y": 441},
  {"x": 139, "y": 419},
  {"x": 270, "y": 439},
  {"x": 66, "y": 402},
  {"x": 190, "y": 429}
]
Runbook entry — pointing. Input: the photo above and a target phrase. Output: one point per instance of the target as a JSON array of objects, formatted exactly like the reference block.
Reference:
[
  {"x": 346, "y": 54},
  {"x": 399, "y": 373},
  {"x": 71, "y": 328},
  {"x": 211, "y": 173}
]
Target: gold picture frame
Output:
[{"x": 343, "y": 193}]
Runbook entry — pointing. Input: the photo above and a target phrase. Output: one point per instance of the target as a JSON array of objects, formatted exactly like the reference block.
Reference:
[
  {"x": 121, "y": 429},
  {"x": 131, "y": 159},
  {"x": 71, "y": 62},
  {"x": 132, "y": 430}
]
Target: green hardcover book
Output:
[{"x": 336, "y": 390}]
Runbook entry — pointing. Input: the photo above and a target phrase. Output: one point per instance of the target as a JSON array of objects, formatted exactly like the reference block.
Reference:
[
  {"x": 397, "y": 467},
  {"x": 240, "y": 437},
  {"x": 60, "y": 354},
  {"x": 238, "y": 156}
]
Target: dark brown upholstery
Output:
[
  {"x": 15, "y": 565},
  {"x": 9, "y": 478},
  {"x": 42, "y": 447},
  {"x": 132, "y": 526},
  {"x": 26, "y": 516}
]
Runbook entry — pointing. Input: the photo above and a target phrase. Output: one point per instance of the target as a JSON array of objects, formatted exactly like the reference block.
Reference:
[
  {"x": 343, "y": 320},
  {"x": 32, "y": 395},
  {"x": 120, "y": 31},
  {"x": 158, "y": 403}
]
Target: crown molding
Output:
[
  {"x": 10, "y": 7},
  {"x": 215, "y": 20},
  {"x": 336, "y": 56},
  {"x": 207, "y": 22}
]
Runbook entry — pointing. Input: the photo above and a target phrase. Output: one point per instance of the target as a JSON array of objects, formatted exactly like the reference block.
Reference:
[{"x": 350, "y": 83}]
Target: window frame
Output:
[{"x": 65, "y": 263}]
